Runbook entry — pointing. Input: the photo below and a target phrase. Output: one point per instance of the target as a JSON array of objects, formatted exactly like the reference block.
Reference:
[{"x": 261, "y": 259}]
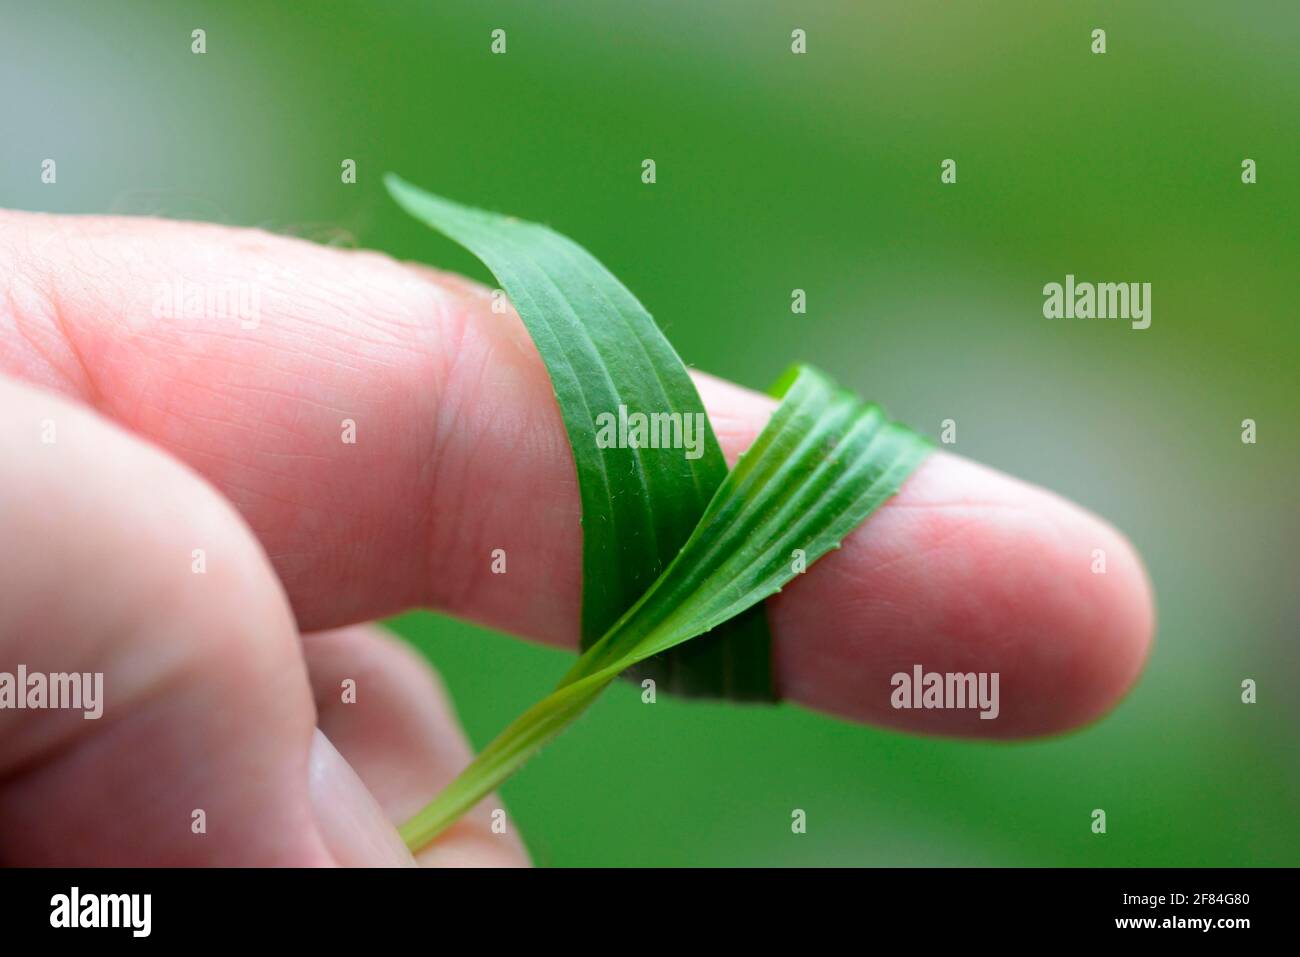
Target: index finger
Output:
[{"x": 383, "y": 430}]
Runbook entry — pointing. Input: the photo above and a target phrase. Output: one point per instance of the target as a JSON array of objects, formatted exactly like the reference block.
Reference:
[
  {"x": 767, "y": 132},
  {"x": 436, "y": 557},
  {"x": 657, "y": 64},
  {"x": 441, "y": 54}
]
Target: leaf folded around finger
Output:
[{"x": 824, "y": 462}]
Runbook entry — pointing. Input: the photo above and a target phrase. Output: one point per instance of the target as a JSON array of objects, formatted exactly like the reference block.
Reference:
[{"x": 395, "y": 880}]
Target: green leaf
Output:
[
  {"x": 639, "y": 505},
  {"x": 824, "y": 462},
  {"x": 678, "y": 555}
]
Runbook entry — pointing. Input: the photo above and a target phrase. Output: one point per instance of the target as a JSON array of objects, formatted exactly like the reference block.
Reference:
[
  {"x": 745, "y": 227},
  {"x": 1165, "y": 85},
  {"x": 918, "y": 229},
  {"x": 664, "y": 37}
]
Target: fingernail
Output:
[{"x": 351, "y": 822}]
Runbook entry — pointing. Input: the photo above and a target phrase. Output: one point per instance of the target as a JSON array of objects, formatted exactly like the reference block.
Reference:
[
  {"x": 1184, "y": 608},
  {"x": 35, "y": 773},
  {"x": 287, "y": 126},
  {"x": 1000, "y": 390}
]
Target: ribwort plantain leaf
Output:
[{"x": 678, "y": 554}]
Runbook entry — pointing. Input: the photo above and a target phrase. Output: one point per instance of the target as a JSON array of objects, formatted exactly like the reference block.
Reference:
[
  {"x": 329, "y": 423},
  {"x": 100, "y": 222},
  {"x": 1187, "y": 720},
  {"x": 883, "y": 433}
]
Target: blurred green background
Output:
[{"x": 819, "y": 171}]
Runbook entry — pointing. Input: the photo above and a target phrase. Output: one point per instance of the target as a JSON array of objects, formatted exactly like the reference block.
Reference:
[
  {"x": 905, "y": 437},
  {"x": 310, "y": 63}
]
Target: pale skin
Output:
[{"x": 222, "y": 690}]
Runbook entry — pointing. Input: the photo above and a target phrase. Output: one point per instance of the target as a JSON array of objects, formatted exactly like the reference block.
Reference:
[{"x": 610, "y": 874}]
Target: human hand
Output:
[{"x": 223, "y": 433}]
